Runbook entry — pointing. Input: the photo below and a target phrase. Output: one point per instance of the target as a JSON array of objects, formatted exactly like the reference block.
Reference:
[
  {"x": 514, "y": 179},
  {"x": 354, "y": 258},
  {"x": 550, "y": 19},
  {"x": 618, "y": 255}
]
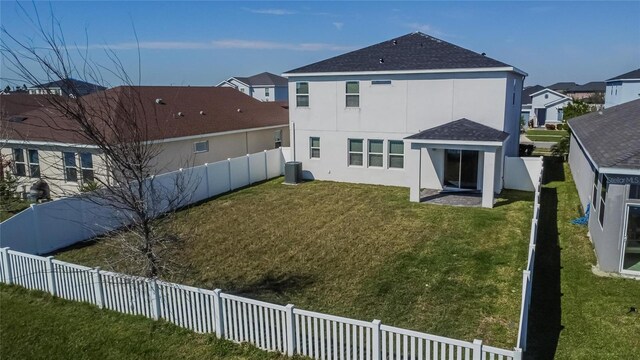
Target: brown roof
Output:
[
  {"x": 183, "y": 111},
  {"x": 14, "y": 104}
]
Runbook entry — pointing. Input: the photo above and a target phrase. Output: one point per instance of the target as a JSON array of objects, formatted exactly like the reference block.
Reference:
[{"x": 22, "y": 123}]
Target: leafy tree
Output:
[
  {"x": 7, "y": 89},
  {"x": 575, "y": 109},
  {"x": 9, "y": 197}
]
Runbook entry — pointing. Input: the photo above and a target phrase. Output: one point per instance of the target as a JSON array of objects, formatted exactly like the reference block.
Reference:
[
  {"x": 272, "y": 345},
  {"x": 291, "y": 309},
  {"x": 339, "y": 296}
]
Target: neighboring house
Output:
[
  {"x": 66, "y": 87},
  {"x": 623, "y": 88},
  {"x": 264, "y": 87},
  {"x": 191, "y": 125},
  {"x": 605, "y": 162},
  {"x": 525, "y": 113},
  {"x": 413, "y": 111},
  {"x": 546, "y": 107},
  {"x": 562, "y": 87},
  {"x": 591, "y": 92}
]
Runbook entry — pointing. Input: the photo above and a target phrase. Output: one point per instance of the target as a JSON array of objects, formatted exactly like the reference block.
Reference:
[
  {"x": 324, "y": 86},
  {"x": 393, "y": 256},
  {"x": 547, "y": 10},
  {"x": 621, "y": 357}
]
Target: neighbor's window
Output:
[
  {"x": 603, "y": 199},
  {"x": 19, "y": 165},
  {"x": 560, "y": 114},
  {"x": 201, "y": 146},
  {"x": 355, "y": 152},
  {"x": 594, "y": 197},
  {"x": 396, "y": 154},
  {"x": 70, "y": 169},
  {"x": 34, "y": 164},
  {"x": 302, "y": 94},
  {"x": 375, "y": 153},
  {"x": 380, "y": 82},
  {"x": 314, "y": 146},
  {"x": 86, "y": 166},
  {"x": 277, "y": 138},
  {"x": 266, "y": 92},
  {"x": 353, "y": 93},
  {"x": 634, "y": 192}
]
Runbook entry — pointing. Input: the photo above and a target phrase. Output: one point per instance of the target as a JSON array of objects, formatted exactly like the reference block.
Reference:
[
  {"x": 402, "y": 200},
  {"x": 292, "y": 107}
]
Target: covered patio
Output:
[{"x": 462, "y": 157}]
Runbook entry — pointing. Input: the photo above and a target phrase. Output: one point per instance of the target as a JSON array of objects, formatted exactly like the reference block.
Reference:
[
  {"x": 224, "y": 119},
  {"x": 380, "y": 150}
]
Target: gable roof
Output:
[
  {"x": 633, "y": 74},
  {"x": 415, "y": 51},
  {"x": 461, "y": 130},
  {"x": 69, "y": 86},
  {"x": 611, "y": 137},
  {"x": 262, "y": 79},
  {"x": 526, "y": 93},
  {"x": 562, "y": 86},
  {"x": 551, "y": 91},
  {"x": 593, "y": 86},
  {"x": 223, "y": 109}
]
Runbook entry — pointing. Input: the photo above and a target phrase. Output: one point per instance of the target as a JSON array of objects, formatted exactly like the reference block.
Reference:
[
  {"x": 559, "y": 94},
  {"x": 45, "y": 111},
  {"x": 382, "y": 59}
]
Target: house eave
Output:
[
  {"x": 402, "y": 72},
  {"x": 456, "y": 142},
  {"x": 50, "y": 143}
]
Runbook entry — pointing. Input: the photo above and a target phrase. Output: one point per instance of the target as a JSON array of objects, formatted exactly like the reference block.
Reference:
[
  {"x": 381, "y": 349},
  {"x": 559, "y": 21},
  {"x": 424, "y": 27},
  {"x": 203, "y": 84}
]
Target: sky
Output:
[{"x": 205, "y": 42}]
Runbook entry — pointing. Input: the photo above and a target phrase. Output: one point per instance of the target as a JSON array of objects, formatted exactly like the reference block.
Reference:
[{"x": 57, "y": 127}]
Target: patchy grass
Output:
[
  {"x": 37, "y": 326},
  {"x": 576, "y": 314},
  {"x": 359, "y": 251}
]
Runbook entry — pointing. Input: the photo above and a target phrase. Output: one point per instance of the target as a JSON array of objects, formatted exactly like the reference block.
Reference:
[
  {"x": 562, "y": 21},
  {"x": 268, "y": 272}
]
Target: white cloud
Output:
[
  {"x": 338, "y": 25},
  {"x": 218, "y": 44},
  {"x": 427, "y": 29},
  {"x": 271, "y": 11}
]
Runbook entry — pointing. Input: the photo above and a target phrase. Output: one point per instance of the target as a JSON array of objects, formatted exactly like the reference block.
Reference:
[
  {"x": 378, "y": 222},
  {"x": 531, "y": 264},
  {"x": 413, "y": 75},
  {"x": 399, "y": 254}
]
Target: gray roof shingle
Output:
[
  {"x": 611, "y": 136},
  {"x": 263, "y": 79},
  {"x": 415, "y": 51},
  {"x": 526, "y": 93},
  {"x": 633, "y": 74},
  {"x": 461, "y": 130},
  {"x": 562, "y": 86}
]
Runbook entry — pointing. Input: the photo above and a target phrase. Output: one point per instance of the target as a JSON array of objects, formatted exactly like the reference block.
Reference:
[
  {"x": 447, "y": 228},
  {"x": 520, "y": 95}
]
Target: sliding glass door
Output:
[
  {"x": 631, "y": 251},
  {"x": 461, "y": 169}
]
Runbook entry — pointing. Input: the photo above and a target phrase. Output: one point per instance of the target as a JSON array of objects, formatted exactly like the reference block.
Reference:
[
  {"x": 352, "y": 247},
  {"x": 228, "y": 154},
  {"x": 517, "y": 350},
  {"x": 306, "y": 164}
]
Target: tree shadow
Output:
[
  {"x": 553, "y": 169},
  {"x": 545, "y": 313},
  {"x": 271, "y": 286}
]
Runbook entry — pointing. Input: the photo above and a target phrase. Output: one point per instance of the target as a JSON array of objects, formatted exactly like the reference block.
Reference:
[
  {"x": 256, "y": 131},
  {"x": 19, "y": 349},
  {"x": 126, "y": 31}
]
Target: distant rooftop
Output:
[
  {"x": 71, "y": 86},
  {"x": 562, "y": 86},
  {"x": 528, "y": 91},
  {"x": 263, "y": 79},
  {"x": 415, "y": 51},
  {"x": 633, "y": 74}
]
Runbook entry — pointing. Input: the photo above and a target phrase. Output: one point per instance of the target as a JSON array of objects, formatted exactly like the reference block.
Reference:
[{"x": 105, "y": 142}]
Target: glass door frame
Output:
[
  {"x": 623, "y": 239},
  {"x": 461, "y": 159}
]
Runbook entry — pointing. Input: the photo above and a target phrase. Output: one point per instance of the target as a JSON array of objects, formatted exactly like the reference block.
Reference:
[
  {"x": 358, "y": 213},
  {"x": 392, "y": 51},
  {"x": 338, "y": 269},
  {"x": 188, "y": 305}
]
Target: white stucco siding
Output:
[
  {"x": 512, "y": 112},
  {"x": 620, "y": 92},
  {"x": 582, "y": 171}
]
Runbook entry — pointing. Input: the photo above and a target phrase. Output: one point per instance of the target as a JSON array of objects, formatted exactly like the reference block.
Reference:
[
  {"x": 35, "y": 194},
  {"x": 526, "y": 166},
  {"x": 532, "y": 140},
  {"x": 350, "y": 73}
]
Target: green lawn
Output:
[
  {"x": 359, "y": 251},
  {"x": 577, "y": 315},
  {"x": 34, "y": 325},
  {"x": 542, "y": 132},
  {"x": 550, "y": 138}
]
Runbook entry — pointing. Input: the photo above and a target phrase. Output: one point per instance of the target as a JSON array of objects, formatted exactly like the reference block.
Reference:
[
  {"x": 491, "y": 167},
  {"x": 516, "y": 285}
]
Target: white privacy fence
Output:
[
  {"x": 271, "y": 327},
  {"x": 527, "y": 274},
  {"x": 46, "y": 227}
]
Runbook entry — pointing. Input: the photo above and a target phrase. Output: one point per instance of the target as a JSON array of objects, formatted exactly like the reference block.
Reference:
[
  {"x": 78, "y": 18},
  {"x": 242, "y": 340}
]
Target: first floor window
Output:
[
  {"x": 19, "y": 164},
  {"x": 34, "y": 164},
  {"x": 266, "y": 92},
  {"x": 355, "y": 152},
  {"x": 560, "y": 114},
  {"x": 70, "y": 168},
  {"x": 314, "y": 145},
  {"x": 353, "y": 94},
  {"x": 375, "y": 153},
  {"x": 603, "y": 198},
  {"x": 201, "y": 146},
  {"x": 396, "y": 154},
  {"x": 86, "y": 166},
  {"x": 302, "y": 94},
  {"x": 277, "y": 138}
]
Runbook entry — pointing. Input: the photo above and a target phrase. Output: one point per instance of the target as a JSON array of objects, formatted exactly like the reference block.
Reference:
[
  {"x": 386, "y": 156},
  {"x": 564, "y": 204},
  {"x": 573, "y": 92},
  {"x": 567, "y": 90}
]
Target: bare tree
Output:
[{"x": 119, "y": 123}]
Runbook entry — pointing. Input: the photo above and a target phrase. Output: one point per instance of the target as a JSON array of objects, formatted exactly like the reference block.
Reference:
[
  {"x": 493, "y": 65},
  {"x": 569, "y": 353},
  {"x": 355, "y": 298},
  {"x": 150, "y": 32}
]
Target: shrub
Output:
[
  {"x": 559, "y": 126},
  {"x": 550, "y": 126}
]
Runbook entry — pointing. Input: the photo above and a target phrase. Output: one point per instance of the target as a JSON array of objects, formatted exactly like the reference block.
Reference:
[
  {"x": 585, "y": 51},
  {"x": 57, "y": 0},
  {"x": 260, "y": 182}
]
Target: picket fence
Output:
[
  {"x": 44, "y": 228},
  {"x": 271, "y": 327},
  {"x": 527, "y": 275}
]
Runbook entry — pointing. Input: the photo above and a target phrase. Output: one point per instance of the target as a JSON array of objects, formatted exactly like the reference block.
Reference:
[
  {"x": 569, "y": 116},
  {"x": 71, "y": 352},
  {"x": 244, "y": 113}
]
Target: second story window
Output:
[
  {"x": 34, "y": 164},
  {"x": 353, "y": 94},
  {"x": 70, "y": 169},
  {"x": 19, "y": 164},
  {"x": 86, "y": 165},
  {"x": 266, "y": 92},
  {"x": 302, "y": 94},
  {"x": 201, "y": 146}
]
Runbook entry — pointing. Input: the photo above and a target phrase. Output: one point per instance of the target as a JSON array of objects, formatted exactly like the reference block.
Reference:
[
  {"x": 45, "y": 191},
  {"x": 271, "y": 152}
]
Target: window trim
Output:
[
  {"x": 355, "y": 95},
  {"x": 311, "y": 147},
  {"x": 16, "y": 162},
  {"x": 266, "y": 92},
  {"x": 350, "y": 152},
  {"x": 28, "y": 160},
  {"x": 604, "y": 184},
  {"x": 195, "y": 146},
  {"x": 397, "y": 155},
  {"x": 369, "y": 153},
  {"x": 65, "y": 166},
  {"x": 302, "y": 95},
  {"x": 83, "y": 168}
]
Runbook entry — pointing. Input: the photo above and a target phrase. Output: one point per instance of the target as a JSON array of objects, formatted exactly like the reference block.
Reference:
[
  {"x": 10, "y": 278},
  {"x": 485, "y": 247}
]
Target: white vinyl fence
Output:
[
  {"x": 43, "y": 228},
  {"x": 527, "y": 275},
  {"x": 271, "y": 327}
]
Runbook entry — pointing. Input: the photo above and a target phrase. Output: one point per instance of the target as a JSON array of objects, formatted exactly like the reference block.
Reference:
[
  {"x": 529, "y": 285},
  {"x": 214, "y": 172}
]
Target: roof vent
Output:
[
  {"x": 201, "y": 112},
  {"x": 483, "y": 54},
  {"x": 239, "y": 110},
  {"x": 180, "y": 113},
  {"x": 395, "y": 42},
  {"x": 381, "y": 61},
  {"x": 159, "y": 101}
]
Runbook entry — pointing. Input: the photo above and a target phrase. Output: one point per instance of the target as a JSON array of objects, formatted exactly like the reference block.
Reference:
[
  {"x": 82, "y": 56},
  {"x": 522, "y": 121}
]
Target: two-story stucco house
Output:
[
  {"x": 622, "y": 88},
  {"x": 264, "y": 86},
  {"x": 414, "y": 111}
]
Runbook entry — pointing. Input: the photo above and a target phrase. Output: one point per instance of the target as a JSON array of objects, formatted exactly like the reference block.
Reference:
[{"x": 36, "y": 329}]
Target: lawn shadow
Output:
[
  {"x": 545, "y": 313},
  {"x": 507, "y": 197},
  {"x": 553, "y": 169},
  {"x": 271, "y": 286}
]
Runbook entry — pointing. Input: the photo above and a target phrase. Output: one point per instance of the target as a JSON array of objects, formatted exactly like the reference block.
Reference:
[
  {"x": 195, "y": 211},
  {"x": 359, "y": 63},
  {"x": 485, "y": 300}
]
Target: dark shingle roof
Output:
[
  {"x": 594, "y": 86},
  {"x": 562, "y": 86},
  {"x": 526, "y": 93},
  {"x": 263, "y": 79},
  {"x": 415, "y": 51},
  {"x": 462, "y": 130},
  {"x": 611, "y": 136},
  {"x": 634, "y": 74}
]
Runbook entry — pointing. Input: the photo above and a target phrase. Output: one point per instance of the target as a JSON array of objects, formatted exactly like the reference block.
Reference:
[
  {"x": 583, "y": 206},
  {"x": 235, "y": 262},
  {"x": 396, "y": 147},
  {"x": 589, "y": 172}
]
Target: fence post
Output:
[
  {"x": 97, "y": 287},
  {"x": 376, "y": 340},
  {"x": 155, "y": 299},
  {"x": 51, "y": 276},
  {"x": 517, "y": 354},
  {"x": 217, "y": 313},
  {"x": 291, "y": 331},
  {"x": 266, "y": 166},
  {"x": 229, "y": 166},
  {"x": 206, "y": 177},
  {"x": 477, "y": 349},
  {"x": 8, "y": 276},
  {"x": 249, "y": 167}
]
